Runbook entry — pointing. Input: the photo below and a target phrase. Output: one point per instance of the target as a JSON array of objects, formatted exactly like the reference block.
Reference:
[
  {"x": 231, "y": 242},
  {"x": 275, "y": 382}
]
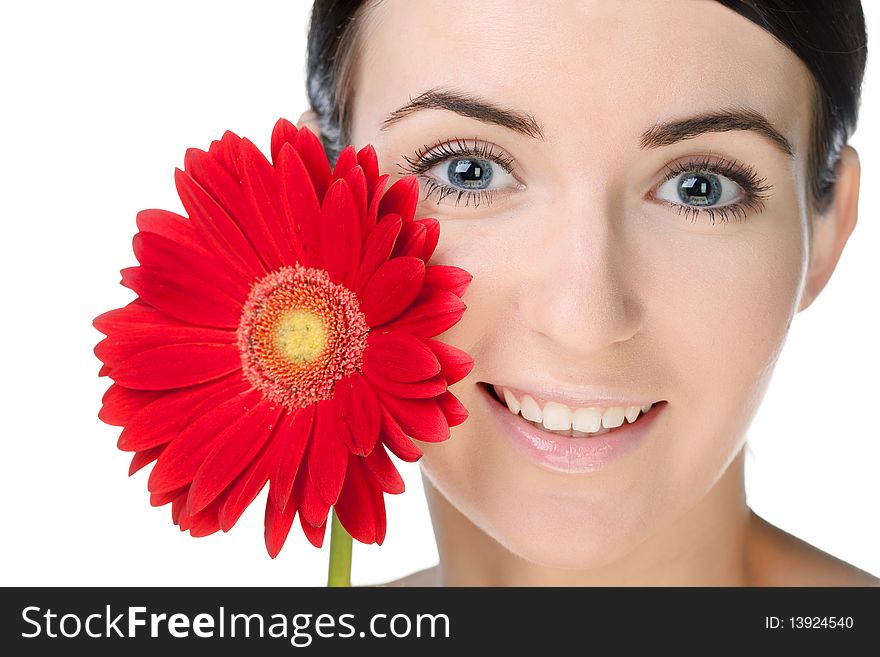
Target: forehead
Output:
[{"x": 593, "y": 73}]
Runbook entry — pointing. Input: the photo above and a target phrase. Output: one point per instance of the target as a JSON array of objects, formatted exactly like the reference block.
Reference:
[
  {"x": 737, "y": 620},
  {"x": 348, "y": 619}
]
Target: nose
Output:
[{"x": 579, "y": 291}]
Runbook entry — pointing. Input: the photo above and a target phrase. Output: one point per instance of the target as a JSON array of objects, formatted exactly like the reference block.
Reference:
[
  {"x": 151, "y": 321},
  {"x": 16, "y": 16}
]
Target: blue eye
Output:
[
  {"x": 472, "y": 172},
  {"x": 712, "y": 187},
  {"x": 468, "y": 177},
  {"x": 700, "y": 189},
  {"x": 469, "y": 173}
]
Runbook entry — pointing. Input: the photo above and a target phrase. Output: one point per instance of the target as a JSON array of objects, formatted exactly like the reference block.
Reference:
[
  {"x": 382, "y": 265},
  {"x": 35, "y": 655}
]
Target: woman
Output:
[{"x": 646, "y": 194}]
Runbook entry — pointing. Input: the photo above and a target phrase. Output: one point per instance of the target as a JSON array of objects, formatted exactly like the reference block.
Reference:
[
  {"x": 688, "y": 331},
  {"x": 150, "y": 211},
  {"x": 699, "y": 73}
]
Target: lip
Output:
[{"x": 571, "y": 455}]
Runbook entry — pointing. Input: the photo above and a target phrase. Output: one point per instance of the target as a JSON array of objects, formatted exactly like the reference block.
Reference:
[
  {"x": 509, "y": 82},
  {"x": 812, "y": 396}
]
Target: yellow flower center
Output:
[{"x": 300, "y": 335}]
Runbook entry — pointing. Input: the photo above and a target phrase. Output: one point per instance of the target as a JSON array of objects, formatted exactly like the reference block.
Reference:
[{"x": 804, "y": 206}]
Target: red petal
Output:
[
  {"x": 177, "y": 365},
  {"x": 374, "y": 193},
  {"x": 432, "y": 236},
  {"x": 213, "y": 173},
  {"x": 395, "y": 439},
  {"x": 179, "y": 462},
  {"x": 357, "y": 184},
  {"x": 120, "y": 404},
  {"x": 370, "y": 164},
  {"x": 447, "y": 277},
  {"x": 399, "y": 356},
  {"x": 416, "y": 390},
  {"x": 284, "y": 132},
  {"x": 432, "y": 314},
  {"x": 314, "y": 534},
  {"x": 340, "y": 233},
  {"x": 313, "y": 156},
  {"x": 382, "y": 469},
  {"x": 327, "y": 455},
  {"x": 246, "y": 487},
  {"x": 392, "y": 289},
  {"x": 411, "y": 241},
  {"x": 379, "y": 514},
  {"x": 401, "y": 198},
  {"x": 277, "y": 524},
  {"x": 292, "y": 440},
  {"x": 162, "y": 420},
  {"x": 173, "y": 227},
  {"x": 161, "y": 499},
  {"x": 217, "y": 227},
  {"x": 356, "y": 413},
  {"x": 421, "y": 419},
  {"x": 344, "y": 163},
  {"x": 265, "y": 228},
  {"x": 136, "y": 315},
  {"x": 141, "y": 459},
  {"x": 177, "y": 507},
  {"x": 300, "y": 205},
  {"x": 312, "y": 508},
  {"x": 225, "y": 152},
  {"x": 452, "y": 408},
  {"x": 184, "y": 296},
  {"x": 203, "y": 523},
  {"x": 122, "y": 345},
  {"x": 160, "y": 252},
  {"x": 377, "y": 249},
  {"x": 234, "y": 449},
  {"x": 455, "y": 363},
  {"x": 355, "y": 506}
]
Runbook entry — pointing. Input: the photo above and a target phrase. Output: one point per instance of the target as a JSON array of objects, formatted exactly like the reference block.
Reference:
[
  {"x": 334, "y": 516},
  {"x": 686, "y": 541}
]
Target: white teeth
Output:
[
  {"x": 559, "y": 418},
  {"x": 530, "y": 410},
  {"x": 512, "y": 401},
  {"x": 587, "y": 420},
  {"x": 556, "y": 416},
  {"x": 613, "y": 417},
  {"x": 571, "y": 433}
]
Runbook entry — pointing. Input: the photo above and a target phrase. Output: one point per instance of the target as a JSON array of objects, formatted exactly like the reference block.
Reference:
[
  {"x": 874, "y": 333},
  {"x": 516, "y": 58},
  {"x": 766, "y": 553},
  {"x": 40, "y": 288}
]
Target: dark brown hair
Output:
[{"x": 829, "y": 37}]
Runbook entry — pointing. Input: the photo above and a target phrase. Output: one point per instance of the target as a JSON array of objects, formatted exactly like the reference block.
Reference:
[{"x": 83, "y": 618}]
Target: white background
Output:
[{"x": 99, "y": 102}]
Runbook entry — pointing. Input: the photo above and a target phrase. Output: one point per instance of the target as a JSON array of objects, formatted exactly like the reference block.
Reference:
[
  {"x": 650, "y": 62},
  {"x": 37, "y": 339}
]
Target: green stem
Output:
[{"x": 339, "y": 571}]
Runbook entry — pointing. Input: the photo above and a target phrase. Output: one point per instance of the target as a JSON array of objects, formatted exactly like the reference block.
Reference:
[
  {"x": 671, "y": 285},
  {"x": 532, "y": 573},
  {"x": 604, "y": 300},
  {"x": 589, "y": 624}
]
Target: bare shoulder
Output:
[
  {"x": 426, "y": 577},
  {"x": 782, "y": 559}
]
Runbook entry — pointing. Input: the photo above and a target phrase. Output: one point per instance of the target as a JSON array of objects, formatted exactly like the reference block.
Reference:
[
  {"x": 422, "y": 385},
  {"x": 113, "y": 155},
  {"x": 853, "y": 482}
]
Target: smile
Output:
[
  {"x": 523, "y": 418},
  {"x": 564, "y": 420}
]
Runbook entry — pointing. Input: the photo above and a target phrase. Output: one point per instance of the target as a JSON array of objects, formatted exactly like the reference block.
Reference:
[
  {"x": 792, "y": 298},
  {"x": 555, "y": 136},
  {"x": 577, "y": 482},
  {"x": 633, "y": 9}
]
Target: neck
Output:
[{"x": 706, "y": 546}]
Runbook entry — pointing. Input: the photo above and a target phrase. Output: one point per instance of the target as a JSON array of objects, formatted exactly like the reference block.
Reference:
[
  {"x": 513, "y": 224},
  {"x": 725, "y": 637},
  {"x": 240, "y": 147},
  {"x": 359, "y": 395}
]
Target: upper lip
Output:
[{"x": 582, "y": 396}]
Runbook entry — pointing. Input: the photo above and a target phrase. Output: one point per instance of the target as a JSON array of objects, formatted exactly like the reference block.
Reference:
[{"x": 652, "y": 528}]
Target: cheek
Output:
[{"x": 721, "y": 307}]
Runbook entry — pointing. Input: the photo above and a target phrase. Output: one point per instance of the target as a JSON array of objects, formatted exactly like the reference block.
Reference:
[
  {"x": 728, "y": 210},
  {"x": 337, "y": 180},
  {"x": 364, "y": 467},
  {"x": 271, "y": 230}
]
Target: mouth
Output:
[
  {"x": 570, "y": 432},
  {"x": 571, "y": 450}
]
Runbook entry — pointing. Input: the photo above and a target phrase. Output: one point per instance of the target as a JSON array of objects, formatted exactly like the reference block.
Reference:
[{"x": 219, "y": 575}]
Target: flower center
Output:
[{"x": 299, "y": 334}]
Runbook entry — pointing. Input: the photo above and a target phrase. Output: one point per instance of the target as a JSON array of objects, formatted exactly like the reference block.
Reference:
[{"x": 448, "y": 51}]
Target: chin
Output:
[
  {"x": 550, "y": 533},
  {"x": 546, "y": 519}
]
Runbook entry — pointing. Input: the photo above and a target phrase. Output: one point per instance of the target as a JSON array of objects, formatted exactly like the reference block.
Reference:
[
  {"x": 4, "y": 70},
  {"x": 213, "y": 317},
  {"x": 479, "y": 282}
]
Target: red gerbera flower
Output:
[{"x": 283, "y": 333}]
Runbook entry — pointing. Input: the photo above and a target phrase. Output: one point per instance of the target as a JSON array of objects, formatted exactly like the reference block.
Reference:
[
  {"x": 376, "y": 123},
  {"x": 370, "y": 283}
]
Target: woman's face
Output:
[{"x": 594, "y": 275}]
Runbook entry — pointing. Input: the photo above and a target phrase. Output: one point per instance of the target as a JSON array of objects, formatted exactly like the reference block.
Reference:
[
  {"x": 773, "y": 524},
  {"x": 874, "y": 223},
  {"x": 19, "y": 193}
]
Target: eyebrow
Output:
[
  {"x": 660, "y": 134},
  {"x": 724, "y": 120},
  {"x": 470, "y": 106}
]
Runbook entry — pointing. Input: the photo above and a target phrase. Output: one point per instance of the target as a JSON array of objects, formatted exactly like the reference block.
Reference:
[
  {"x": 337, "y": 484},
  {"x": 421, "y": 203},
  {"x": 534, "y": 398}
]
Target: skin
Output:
[{"x": 581, "y": 277}]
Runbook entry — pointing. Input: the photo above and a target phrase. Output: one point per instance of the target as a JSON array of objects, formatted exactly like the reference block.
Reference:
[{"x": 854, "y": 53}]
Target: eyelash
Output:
[
  {"x": 754, "y": 187},
  {"x": 426, "y": 157}
]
